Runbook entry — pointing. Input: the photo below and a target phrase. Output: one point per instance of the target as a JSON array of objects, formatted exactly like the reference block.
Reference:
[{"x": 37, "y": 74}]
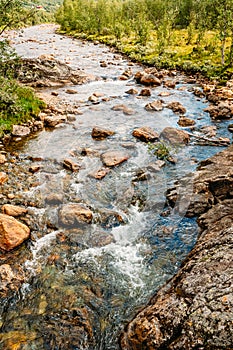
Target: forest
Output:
[{"x": 191, "y": 35}]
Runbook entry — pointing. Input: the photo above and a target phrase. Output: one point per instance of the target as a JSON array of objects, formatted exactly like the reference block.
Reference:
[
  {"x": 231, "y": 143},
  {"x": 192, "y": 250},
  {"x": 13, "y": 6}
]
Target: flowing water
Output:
[{"x": 85, "y": 282}]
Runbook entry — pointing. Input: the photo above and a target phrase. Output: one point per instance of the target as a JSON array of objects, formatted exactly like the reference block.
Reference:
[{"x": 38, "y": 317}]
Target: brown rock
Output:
[
  {"x": 147, "y": 79},
  {"x": 20, "y": 131},
  {"x": 113, "y": 158},
  {"x": 175, "y": 136},
  {"x": 223, "y": 110},
  {"x": 100, "y": 174},
  {"x": 71, "y": 214},
  {"x": 51, "y": 121},
  {"x": 145, "y": 134},
  {"x": 145, "y": 92},
  {"x": 132, "y": 92},
  {"x": 71, "y": 91},
  {"x": 71, "y": 165},
  {"x": 164, "y": 94},
  {"x": 13, "y": 210},
  {"x": 100, "y": 134},
  {"x": 177, "y": 107},
  {"x": 184, "y": 121},
  {"x": 3, "y": 177},
  {"x": 3, "y": 159},
  {"x": 12, "y": 232},
  {"x": 121, "y": 107},
  {"x": 154, "y": 106},
  {"x": 170, "y": 84}
]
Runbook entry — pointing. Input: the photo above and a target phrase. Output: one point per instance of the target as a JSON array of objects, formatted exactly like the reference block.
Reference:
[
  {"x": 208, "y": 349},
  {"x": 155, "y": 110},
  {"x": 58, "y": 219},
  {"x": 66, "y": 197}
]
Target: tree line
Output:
[{"x": 146, "y": 21}]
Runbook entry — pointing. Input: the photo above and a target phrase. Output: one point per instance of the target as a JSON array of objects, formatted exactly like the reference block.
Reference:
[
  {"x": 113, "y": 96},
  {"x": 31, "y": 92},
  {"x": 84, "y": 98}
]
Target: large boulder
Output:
[
  {"x": 12, "y": 232},
  {"x": 175, "y": 136},
  {"x": 13, "y": 210},
  {"x": 101, "y": 133}
]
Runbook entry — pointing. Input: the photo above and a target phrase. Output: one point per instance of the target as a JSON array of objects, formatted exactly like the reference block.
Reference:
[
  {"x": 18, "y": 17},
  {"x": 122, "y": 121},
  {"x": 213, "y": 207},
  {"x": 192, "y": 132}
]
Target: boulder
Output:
[
  {"x": 132, "y": 92},
  {"x": 145, "y": 134},
  {"x": 184, "y": 121},
  {"x": 175, "y": 136},
  {"x": 154, "y": 106},
  {"x": 113, "y": 158},
  {"x": 148, "y": 79},
  {"x": 71, "y": 214},
  {"x": 223, "y": 110},
  {"x": 177, "y": 107},
  {"x": 100, "y": 133},
  {"x": 13, "y": 210},
  {"x": 12, "y": 232},
  {"x": 20, "y": 131}
]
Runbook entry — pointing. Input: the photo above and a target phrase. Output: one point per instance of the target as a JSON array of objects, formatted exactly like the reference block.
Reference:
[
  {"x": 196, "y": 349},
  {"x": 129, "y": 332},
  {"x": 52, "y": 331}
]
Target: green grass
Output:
[{"x": 18, "y": 104}]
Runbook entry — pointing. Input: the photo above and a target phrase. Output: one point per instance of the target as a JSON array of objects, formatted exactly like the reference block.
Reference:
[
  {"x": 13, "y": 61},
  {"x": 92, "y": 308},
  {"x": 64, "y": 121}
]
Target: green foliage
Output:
[
  {"x": 160, "y": 149},
  {"x": 18, "y": 104},
  {"x": 169, "y": 33}
]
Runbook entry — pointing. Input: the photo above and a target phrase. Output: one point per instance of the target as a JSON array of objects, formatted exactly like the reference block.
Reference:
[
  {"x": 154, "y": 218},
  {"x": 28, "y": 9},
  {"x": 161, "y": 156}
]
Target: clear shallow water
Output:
[{"x": 87, "y": 281}]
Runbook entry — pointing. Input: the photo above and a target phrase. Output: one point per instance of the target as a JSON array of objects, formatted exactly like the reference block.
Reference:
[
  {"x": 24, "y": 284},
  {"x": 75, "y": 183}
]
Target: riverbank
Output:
[{"x": 194, "y": 309}]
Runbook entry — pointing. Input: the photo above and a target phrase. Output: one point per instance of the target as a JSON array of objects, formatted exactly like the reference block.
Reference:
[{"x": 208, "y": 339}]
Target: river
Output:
[{"x": 85, "y": 282}]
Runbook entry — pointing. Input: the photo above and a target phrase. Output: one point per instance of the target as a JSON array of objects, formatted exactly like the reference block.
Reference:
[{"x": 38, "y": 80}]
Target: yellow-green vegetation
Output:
[
  {"x": 191, "y": 35},
  {"x": 18, "y": 104},
  {"x": 160, "y": 149}
]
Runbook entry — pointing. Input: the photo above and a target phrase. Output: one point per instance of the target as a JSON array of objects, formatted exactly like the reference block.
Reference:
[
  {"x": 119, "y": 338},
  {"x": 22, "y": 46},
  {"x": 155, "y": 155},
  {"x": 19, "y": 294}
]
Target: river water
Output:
[{"x": 87, "y": 281}]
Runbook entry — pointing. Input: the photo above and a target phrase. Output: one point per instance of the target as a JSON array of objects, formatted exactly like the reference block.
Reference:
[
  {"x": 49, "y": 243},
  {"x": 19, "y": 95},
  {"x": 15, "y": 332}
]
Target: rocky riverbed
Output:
[{"x": 84, "y": 188}]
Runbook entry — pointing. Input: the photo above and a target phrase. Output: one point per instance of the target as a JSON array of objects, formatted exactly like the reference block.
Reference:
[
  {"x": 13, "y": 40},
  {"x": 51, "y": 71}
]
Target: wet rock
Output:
[
  {"x": 12, "y": 232},
  {"x": 10, "y": 279},
  {"x": 100, "y": 173},
  {"x": 71, "y": 91},
  {"x": 176, "y": 107},
  {"x": 89, "y": 152},
  {"x": 71, "y": 165},
  {"x": 175, "y": 136},
  {"x": 53, "y": 120},
  {"x": 154, "y": 106},
  {"x": 209, "y": 130},
  {"x": 132, "y": 92},
  {"x": 101, "y": 239},
  {"x": 184, "y": 121},
  {"x": 3, "y": 159},
  {"x": 170, "y": 84},
  {"x": 147, "y": 79},
  {"x": 145, "y": 134},
  {"x": 103, "y": 64},
  {"x": 193, "y": 310},
  {"x": 145, "y": 92},
  {"x": 113, "y": 158},
  {"x": 110, "y": 218},
  {"x": 230, "y": 127},
  {"x": 164, "y": 94},
  {"x": 100, "y": 134},
  {"x": 223, "y": 110},
  {"x": 13, "y": 210},
  {"x": 125, "y": 109},
  {"x": 20, "y": 131},
  {"x": 94, "y": 99},
  {"x": 3, "y": 177},
  {"x": 34, "y": 168},
  {"x": 156, "y": 166},
  {"x": 54, "y": 198},
  {"x": 71, "y": 214}
]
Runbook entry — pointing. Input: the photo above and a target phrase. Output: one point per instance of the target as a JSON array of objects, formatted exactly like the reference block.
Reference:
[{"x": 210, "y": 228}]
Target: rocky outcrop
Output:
[
  {"x": 47, "y": 71},
  {"x": 194, "y": 309}
]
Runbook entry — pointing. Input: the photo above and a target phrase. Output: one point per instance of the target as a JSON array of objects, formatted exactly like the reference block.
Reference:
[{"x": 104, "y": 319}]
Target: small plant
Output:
[{"x": 161, "y": 150}]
